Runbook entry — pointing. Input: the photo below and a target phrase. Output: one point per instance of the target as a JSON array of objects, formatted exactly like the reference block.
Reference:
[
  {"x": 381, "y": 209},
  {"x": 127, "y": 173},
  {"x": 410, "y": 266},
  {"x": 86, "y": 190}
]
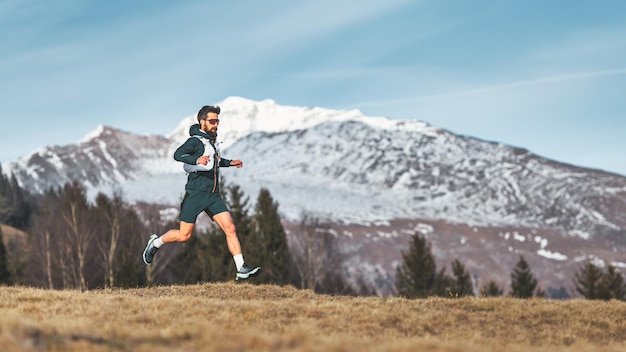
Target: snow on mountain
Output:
[
  {"x": 378, "y": 181},
  {"x": 106, "y": 157},
  {"x": 344, "y": 166},
  {"x": 353, "y": 172},
  {"x": 240, "y": 117}
]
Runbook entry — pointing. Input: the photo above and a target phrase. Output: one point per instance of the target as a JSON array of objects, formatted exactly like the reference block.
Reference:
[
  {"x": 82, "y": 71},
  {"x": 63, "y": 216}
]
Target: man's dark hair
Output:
[{"x": 207, "y": 109}]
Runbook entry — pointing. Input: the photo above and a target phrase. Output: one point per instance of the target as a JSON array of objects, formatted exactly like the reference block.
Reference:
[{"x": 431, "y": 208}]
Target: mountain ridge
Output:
[{"x": 377, "y": 180}]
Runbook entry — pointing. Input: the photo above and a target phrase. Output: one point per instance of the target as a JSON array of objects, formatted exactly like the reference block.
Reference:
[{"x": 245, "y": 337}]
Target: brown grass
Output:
[{"x": 231, "y": 317}]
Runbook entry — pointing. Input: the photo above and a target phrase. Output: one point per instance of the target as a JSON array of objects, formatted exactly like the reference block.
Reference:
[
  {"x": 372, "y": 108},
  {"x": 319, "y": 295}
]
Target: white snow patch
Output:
[
  {"x": 619, "y": 265},
  {"x": 93, "y": 134},
  {"x": 542, "y": 241},
  {"x": 591, "y": 258},
  {"x": 518, "y": 237},
  {"x": 551, "y": 255},
  {"x": 107, "y": 156},
  {"x": 582, "y": 234},
  {"x": 424, "y": 228}
]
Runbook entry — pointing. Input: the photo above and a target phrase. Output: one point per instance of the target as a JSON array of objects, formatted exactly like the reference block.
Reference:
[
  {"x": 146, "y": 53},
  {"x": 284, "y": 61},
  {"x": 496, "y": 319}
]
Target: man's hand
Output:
[
  {"x": 238, "y": 163},
  {"x": 203, "y": 160}
]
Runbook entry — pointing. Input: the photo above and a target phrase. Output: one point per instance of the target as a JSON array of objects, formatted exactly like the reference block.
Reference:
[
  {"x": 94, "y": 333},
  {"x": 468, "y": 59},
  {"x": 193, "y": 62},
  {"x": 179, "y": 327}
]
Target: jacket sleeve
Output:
[
  {"x": 224, "y": 162},
  {"x": 188, "y": 152}
]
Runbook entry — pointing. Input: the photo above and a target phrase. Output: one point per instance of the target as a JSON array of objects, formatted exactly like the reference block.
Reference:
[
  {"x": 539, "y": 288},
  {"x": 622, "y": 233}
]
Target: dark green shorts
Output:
[{"x": 195, "y": 202}]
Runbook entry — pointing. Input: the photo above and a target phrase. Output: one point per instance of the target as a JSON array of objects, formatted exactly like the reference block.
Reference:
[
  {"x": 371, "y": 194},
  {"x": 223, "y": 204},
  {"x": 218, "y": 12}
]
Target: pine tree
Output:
[
  {"x": 462, "y": 282},
  {"x": 587, "y": 281},
  {"x": 612, "y": 285},
  {"x": 417, "y": 275},
  {"x": 14, "y": 209},
  {"x": 5, "y": 203},
  {"x": 238, "y": 205},
  {"x": 523, "y": 283},
  {"x": 5, "y": 273},
  {"x": 271, "y": 251},
  {"x": 444, "y": 285},
  {"x": 204, "y": 258},
  {"x": 21, "y": 209},
  {"x": 491, "y": 289}
]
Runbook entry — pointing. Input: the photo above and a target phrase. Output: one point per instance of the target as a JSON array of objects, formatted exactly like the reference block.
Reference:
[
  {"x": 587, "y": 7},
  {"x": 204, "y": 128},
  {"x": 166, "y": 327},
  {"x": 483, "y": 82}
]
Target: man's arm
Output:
[
  {"x": 188, "y": 153},
  {"x": 227, "y": 162}
]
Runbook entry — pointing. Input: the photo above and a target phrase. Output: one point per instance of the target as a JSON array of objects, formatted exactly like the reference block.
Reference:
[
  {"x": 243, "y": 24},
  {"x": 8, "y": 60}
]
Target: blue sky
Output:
[{"x": 548, "y": 76}]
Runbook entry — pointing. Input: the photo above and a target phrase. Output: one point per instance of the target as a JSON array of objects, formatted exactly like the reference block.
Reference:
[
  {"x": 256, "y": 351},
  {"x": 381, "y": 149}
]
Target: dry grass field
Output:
[{"x": 232, "y": 317}]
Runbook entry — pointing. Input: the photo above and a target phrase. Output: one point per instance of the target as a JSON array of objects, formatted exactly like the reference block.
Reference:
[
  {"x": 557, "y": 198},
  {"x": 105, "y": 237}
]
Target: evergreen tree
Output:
[
  {"x": 612, "y": 285},
  {"x": 523, "y": 282},
  {"x": 21, "y": 209},
  {"x": 205, "y": 257},
  {"x": 462, "y": 283},
  {"x": 269, "y": 239},
  {"x": 417, "y": 275},
  {"x": 238, "y": 206},
  {"x": 444, "y": 285},
  {"x": 14, "y": 209},
  {"x": 193, "y": 263},
  {"x": 587, "y": 281},
  {"x": 491, "y": 289},
  {"x": 5, "y": 208},
  {"x": 5, "y": 273}
]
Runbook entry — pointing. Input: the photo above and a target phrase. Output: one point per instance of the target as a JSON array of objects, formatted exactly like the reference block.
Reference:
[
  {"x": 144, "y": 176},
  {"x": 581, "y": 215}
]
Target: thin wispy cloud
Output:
[
  {"x": 499, "y": 87},
  {"x": 460, "y": 66}
]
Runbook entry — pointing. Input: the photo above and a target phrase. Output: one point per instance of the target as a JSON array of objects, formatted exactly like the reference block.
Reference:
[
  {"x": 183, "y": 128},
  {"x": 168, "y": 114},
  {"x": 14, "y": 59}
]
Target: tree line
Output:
[
  {"x": 418, "y": 277},
  {"x": 75, "y": 243}
]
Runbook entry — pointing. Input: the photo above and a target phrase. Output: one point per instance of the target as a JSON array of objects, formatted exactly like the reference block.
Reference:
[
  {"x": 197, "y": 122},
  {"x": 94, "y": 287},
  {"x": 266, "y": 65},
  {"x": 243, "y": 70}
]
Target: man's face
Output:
[{"x": 209, "y": 125}]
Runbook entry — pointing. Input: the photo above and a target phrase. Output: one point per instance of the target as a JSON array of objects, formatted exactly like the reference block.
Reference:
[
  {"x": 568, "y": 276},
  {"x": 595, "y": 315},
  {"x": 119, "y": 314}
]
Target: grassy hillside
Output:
[
  {"x": 11, "y": 233},
  {"x": 227, "y": 317}
]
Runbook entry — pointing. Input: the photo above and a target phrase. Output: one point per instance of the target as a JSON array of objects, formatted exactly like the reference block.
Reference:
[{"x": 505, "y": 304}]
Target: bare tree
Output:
[
  {"x": 75, "y": 212},
  {"x": 113, "y": 211},
  {"x": 314, "y": 252},
  {"x": 154, "y": 224},
  {"x": 42, "y": 262}
]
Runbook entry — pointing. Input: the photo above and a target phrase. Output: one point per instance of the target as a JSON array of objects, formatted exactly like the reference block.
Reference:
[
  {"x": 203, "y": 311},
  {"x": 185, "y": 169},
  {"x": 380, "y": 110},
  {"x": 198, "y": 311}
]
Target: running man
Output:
[{"x": 202, "y": 160}]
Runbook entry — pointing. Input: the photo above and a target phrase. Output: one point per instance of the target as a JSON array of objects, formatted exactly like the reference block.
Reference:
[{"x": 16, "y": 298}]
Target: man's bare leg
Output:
[
  {"x": 174, "y": 235},
  {"x": 225, "y": 222},
  {"x": 179, "y": 235}
]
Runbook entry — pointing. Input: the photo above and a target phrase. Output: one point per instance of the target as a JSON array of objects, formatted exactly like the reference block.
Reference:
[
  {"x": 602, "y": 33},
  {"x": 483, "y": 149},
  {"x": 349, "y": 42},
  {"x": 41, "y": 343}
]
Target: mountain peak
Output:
[
  {"x": 379, "y": 178},
  {"x": 97, "y": 132}
]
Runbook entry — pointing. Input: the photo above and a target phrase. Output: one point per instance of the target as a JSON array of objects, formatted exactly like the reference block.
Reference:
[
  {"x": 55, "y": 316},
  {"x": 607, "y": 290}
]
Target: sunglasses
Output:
[{"x": 213, "y": 121}]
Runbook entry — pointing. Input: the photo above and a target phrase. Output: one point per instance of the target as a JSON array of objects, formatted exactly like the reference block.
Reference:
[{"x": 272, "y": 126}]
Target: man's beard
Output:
[{"x": 210, "y": 130}]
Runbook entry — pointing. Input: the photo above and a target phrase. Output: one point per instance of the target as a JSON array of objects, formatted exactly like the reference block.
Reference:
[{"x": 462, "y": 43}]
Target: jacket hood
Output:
[{"x": 194, "y": 130}]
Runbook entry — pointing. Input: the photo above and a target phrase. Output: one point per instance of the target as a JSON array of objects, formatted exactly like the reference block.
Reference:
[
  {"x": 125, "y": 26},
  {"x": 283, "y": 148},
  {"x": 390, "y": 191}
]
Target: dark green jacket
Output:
[{"x": 191, "y": 150}]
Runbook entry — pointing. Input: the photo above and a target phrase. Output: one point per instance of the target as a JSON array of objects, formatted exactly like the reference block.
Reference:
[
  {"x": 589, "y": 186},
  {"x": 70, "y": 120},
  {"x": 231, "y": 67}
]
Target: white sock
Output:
[
  {"x": 158, "y": 242},
  {"x": 238, "y": 261}
]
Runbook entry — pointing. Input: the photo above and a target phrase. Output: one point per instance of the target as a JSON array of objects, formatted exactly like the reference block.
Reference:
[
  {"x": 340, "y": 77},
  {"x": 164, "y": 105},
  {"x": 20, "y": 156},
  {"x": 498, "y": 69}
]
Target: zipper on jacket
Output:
[{"x": 215, "y": 166}]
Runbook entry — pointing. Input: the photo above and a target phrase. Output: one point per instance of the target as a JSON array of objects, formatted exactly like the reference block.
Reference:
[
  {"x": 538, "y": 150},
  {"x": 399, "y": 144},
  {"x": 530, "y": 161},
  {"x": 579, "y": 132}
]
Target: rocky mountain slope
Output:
[{"x": 377, "y": 180}]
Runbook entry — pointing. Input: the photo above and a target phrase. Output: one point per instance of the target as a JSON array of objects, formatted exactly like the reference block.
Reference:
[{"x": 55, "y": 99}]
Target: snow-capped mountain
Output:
[{"x": 357, "y": 171}]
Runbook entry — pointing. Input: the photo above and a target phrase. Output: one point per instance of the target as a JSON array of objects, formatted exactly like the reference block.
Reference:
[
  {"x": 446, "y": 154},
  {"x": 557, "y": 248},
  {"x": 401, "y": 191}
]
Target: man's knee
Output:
[
  {"x": 184, "y": 236},
  {"x": 184, "y": 233},
  {"x": 230, "y": 229}
]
